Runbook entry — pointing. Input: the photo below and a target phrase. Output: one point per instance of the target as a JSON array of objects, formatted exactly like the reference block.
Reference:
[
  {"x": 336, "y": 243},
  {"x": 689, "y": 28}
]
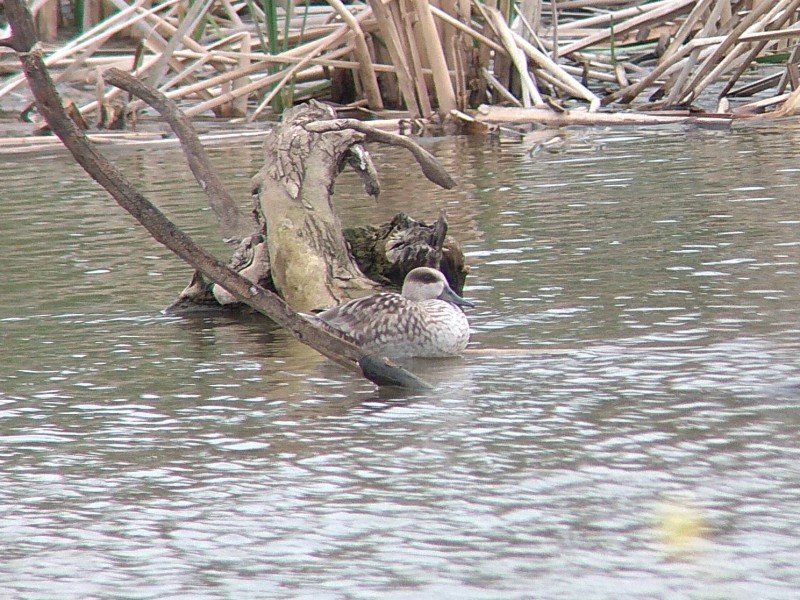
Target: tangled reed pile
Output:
[{"x": 252, "y": 58}]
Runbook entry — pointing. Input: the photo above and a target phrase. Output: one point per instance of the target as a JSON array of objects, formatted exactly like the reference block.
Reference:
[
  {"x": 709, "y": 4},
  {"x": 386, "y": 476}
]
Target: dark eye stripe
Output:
[{"x": 426, "y": 277}]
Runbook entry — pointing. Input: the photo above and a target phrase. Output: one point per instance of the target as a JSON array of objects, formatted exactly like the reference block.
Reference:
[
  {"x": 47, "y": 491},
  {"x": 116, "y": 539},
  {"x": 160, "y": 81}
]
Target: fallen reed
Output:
[{"x": 249, "y": 59}]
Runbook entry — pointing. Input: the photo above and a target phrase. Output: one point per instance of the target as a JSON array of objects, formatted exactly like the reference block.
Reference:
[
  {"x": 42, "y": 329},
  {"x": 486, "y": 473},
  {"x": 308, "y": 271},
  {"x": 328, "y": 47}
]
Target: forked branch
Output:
[{"x": 23, "y": 40}]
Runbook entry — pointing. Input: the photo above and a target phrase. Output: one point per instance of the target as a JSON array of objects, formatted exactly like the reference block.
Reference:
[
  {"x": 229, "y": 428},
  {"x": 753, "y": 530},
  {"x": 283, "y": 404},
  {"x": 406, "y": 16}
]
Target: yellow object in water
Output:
[{"x": 681, "y": 526}]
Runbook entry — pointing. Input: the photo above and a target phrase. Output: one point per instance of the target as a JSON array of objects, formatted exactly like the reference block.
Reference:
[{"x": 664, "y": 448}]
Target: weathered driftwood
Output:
[
  {"x": 311, "y": 267},
  {"x": 234, "y": 223},
  {"x": 23, "y": 40},
  {"x": 301, "y": 251},
  {"x": 386, "y": 253},
  {"x": 552, "y": 118}
]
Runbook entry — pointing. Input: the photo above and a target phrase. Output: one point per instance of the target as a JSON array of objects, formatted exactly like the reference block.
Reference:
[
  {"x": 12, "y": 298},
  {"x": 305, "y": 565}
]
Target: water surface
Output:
[{"x": 625, "y": 424}]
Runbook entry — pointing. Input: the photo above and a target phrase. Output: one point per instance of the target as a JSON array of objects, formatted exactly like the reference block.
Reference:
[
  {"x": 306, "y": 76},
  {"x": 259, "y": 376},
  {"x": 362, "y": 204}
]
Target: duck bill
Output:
[{"x": 448, "y": 295}]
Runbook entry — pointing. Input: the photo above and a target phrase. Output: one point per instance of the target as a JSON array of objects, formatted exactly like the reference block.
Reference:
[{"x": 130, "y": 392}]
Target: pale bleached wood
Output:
[
  {"x": 443, "y": 85},
  {"x": 518, "y": 59},
  {"x": 360, "y": 49},
  {"x": 394, "y": 46},
  {"x": 500, "y": 114},
  {"x": 664, "y": 11},
  {"x": 716, "y": 62}
]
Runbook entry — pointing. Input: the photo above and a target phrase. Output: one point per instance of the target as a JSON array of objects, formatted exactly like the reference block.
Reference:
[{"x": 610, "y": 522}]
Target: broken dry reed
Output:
[{"x": 425, "y": 57}]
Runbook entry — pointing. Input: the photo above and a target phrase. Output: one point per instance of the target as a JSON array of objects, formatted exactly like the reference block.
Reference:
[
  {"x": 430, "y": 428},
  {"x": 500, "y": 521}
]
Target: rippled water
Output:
[{"x": 626, "y": 424}]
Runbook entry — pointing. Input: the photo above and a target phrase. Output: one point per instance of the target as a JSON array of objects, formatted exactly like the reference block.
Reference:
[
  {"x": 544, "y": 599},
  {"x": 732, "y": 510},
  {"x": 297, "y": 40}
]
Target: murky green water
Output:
[{"x": 146, "y": 456}]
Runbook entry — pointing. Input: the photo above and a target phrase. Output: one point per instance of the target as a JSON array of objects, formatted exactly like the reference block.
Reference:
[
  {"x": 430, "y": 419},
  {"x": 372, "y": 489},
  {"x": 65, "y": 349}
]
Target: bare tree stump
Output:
[
  {"x": 302, "y": 252},
  {"x": 311, "y": 266},
  {"x": 386, "y": 253}
]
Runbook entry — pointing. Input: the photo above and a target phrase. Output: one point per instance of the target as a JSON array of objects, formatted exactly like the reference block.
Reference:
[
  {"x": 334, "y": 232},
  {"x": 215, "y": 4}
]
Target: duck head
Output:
[{"x": 424, "y": 283}]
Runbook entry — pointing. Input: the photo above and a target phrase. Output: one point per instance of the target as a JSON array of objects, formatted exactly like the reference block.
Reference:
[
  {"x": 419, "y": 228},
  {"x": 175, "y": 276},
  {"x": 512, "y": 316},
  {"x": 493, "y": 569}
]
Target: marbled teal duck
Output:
[{"x": 424, "y": 320}]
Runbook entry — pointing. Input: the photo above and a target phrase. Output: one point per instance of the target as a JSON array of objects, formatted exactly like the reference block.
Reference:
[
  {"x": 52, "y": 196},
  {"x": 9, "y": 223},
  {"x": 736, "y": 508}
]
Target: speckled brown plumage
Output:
[{"x": 424, "y": 320}]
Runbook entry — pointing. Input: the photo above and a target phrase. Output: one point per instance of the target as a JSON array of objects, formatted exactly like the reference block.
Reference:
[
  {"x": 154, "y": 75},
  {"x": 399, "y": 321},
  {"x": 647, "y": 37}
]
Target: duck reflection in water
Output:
[{"x": 424, "y": 320}]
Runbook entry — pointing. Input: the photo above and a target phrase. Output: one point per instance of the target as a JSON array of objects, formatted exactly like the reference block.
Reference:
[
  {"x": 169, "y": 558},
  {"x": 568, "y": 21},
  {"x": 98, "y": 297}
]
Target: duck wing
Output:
[{"x": 370, "y": 319}]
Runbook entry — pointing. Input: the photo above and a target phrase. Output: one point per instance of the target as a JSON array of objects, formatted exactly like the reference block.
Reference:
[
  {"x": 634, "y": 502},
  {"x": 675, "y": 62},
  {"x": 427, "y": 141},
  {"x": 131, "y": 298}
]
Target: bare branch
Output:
[
  {"x": 165, "y": 232},
  {"x": 233, "y": 222},
  {"x": 427, "y": 162}
]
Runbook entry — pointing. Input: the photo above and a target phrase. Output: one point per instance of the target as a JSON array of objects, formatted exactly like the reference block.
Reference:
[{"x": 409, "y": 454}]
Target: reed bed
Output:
[{"x": 249, "y": 59}]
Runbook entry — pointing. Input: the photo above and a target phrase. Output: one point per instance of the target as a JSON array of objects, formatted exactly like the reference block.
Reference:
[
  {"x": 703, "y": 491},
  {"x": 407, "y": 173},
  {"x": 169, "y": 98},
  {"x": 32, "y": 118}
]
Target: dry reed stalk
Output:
[
  {"x": 223, "y": 97},
  {"x": 456, "y": 47},
  {"x": 560, "y": 77},
  {"x": 664, "y": 68},
  {"x": 154, "y": 42},
  {"x": 789, "y": 108},
  {"x": 518, "y": 59},
  {"x": 405, "y": 16},
  {"x": 239, "y": 106},
  {"x": 102, "y": 31},
  {"x": 649, "y": 17},
  {"x": 188, "y": 24},
  {"x": 315, "y": 48},
  {"x": 708, "y": 29},
  {"x": 769, "y": 26},
  {"x": 760, "y": 105},
  {"x": 74, "y": 64},
  {"x": 495, "y": 84},
  {"x": 740, "y": 54},
  {"x": 232, "y": 13},
  {"x": 606, "y": 18},
  {"x": 441, "y": 75},
  {"x": 394, "y": 46},
  {"x": 554, "y": 29},
  {"x": 366, "y": 72},
  {"x": 688, "y": 26},
  {"x": 231, "y": 58},
  {"x": 472, "y": 32},
  {"x": 445, "y": 32},
  {"x": 710, "y": 68},
  {"x": 147, "y": 63},
  {"x": 182, "y": 75},
  {"x": 287, "y": 76},
  {"x": 587, "y": 72},
  {"x": 785, "y": 77},
  {"x": 566, "y": 81},
  {"x": 591, "y": 4},
  {"x": 308, "y": 50},
  {"x": 531, "y": 12},
  {"x": 530, "y": 32},
  {"x": 46, "y": 15},
  {"x": 459, "y": 71}
]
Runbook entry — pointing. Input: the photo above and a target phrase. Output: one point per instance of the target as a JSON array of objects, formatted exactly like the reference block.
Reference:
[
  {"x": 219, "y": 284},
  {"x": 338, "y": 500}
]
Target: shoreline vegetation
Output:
[{"x": 412, "y": 64}]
